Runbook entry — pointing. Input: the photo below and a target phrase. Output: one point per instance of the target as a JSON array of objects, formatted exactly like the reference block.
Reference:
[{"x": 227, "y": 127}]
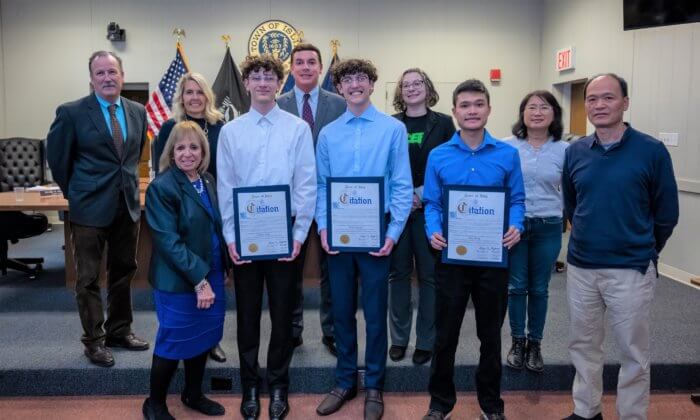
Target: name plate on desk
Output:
[
  {"x": 475, "y": 220},
  {"x": 356, "y": 221},
  {"x": 263, "y": 222}
]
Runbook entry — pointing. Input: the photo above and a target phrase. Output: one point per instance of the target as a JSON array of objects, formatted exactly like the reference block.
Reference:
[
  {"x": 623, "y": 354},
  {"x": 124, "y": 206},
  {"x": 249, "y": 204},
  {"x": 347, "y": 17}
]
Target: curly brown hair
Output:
[
  {"x": 431, "y": 95},
  {"x": 354, "y": 66},
  {"x": 266, "y": 62}
]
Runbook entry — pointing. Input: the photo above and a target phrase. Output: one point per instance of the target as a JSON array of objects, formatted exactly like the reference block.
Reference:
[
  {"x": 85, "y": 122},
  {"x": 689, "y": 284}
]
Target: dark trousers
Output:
[
  {"x": 89, "y": 243},
  {"x": 343, "y": 270},
  {"x": 412, "y": 244},
  {"x": 249, "y": 281},
  {"x": 488, "y": 288},
  {"x": 325, "y": 308}
]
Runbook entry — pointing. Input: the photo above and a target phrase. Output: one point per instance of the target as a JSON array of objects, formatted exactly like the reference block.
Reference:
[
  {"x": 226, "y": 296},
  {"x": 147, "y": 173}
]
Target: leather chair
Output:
[{"x": 22, "y": 164}]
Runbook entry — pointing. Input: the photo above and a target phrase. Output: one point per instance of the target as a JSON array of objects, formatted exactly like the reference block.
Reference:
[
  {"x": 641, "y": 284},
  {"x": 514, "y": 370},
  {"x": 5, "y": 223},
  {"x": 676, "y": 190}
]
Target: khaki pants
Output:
[{"x": 625, "y": 295}]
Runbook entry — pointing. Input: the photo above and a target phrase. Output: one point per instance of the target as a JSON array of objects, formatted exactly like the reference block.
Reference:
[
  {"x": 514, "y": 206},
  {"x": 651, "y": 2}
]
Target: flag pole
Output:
[
  {"x": 179, "y": 34},
  {"x": 334, "y": 46},
  {"x": 227, "y": 39}
]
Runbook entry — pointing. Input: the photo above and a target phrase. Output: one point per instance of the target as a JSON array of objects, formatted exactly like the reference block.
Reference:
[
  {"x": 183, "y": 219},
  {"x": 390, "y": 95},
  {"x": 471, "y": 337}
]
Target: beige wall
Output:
[
  {"x": 661, "y": 65},
  {"x": 47, "y": 44}
]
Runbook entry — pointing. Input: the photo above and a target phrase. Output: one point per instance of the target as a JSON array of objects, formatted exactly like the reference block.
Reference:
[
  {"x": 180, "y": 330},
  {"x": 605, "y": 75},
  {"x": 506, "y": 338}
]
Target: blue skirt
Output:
[{"x": 185, "y": 331}]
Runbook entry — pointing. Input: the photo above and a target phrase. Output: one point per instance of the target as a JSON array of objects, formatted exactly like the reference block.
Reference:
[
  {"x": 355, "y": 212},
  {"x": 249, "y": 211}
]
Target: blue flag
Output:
[
  {"x": 328, "y": 80},
  {"x": 289, "y": 84}
]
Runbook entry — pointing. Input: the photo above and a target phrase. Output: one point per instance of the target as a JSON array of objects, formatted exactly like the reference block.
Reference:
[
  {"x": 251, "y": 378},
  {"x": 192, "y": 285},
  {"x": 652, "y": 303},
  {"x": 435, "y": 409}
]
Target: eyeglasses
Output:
[
  {"x": 266, "y": 79},
  {"x": 360, "y": 78},
  {"x": 416, "y": 84},
  {"x": 541, "y": 108}
]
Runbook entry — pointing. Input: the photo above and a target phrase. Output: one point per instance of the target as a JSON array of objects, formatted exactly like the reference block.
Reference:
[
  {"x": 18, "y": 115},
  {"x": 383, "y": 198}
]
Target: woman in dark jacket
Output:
[
  {"x": 194, "y": 101},
  {"x": 188, "y": 269},
  {"x": 427, "y": 129}
]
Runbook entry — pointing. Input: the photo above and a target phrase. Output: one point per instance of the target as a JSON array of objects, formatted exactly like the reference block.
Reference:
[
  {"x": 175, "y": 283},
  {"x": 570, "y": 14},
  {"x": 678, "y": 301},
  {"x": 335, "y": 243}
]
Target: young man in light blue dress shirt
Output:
[{"x": 363, "y": 142}]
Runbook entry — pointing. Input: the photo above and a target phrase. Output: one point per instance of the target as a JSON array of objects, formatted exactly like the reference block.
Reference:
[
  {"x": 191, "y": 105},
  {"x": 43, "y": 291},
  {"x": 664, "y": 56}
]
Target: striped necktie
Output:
[
  {"x": 117, "y": 135},
  {"x": 306, "y": 113}
]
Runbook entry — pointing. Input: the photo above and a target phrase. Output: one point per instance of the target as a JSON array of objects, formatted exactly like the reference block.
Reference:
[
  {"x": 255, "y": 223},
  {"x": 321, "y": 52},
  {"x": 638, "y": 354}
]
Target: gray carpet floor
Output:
[{"x": 41, "y": 353}]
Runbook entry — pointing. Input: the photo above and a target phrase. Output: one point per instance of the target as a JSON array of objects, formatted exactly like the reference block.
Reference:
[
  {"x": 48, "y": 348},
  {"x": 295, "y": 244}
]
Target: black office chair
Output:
[{"x": 22, "y": 163}]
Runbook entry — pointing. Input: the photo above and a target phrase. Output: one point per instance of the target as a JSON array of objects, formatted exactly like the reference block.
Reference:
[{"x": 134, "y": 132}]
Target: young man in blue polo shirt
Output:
[
  {"x": 472, "y": 157},
  {"x": 621, "y": 197},
  {"x": 362, "y": 142}
]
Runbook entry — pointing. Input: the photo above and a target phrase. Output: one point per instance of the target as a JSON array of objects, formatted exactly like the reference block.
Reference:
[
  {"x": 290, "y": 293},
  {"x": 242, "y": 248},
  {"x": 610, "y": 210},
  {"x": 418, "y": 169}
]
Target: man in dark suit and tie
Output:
[
  {"x": 317, "y": 107},
  {"x": 93, "y": 150}
]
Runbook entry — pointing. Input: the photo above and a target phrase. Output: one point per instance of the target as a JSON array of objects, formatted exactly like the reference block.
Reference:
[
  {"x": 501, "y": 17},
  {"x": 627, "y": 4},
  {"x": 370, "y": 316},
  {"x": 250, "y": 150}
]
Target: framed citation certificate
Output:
[
  {"x": 356, "y": 220},
  {"x": 474, "y": 222},
  {"x": 263, "y": 222}
]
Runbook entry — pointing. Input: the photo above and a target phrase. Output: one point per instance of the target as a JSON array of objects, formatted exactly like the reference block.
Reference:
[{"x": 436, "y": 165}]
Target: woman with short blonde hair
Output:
[
  {"x": 179, "y": 132},
  {"x": 187, "y": 270}
]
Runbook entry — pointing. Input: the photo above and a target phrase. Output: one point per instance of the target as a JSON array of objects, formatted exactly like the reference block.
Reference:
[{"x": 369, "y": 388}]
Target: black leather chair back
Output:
[{"x": 22, "y": 163}]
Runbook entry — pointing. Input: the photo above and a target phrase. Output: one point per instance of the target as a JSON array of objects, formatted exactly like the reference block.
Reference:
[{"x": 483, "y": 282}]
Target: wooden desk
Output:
[{"x": 33, "y": 201}]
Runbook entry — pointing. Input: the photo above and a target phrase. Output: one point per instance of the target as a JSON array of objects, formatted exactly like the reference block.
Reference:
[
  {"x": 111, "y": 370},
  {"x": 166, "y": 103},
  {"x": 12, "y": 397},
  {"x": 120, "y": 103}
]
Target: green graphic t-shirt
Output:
[{"x": 416, "y": 129}]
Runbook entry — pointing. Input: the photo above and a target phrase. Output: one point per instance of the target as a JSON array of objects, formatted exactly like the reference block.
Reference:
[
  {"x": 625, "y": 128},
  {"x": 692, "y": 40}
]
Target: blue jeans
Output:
[
  {"x": 531, "y": 262},
  {"x": 343, "y": 271}
]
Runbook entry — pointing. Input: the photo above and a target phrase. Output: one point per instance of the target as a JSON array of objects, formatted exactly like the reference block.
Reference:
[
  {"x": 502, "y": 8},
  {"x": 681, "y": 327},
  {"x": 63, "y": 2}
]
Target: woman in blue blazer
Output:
[{"x": 188, "y": 269}]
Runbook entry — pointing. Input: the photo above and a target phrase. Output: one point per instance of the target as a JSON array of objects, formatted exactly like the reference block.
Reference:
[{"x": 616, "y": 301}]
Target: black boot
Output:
[
  {"x": 516, "y": 355},
  {"x": 154, "y": 411},
  {"x": 533, "y": 357}
]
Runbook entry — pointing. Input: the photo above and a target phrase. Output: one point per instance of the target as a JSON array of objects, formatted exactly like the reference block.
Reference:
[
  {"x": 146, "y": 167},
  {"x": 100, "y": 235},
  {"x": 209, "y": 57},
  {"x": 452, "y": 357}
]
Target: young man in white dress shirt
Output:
[{"x": 266, "y": 146}]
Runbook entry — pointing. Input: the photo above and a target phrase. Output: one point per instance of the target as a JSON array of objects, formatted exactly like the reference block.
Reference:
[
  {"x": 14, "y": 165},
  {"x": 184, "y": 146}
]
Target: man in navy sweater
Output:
[{"x": 621, "y": 197}]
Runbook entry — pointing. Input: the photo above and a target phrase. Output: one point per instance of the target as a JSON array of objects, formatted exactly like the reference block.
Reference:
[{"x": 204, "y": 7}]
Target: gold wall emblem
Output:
[{"x": 274, "y": 37}]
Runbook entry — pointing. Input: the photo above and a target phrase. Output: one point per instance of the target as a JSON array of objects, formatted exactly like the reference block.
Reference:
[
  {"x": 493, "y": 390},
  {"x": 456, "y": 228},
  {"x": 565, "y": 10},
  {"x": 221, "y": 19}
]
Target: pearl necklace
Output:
[{"x": 198, "y": 186}]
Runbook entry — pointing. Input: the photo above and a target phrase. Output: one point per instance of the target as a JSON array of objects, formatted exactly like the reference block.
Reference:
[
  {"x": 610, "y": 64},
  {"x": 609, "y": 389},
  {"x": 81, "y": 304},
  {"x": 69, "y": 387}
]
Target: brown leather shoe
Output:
[
  {"x": 129, "y": 342},
  {"x": 334, "y": 400},
  {"x": 99, "y": 354},
  {"x": 374, "y": 404}
]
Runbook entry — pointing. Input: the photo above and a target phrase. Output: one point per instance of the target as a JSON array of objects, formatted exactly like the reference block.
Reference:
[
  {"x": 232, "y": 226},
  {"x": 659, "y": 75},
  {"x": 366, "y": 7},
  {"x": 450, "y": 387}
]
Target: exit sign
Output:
[{"x": 565, "y": 59}]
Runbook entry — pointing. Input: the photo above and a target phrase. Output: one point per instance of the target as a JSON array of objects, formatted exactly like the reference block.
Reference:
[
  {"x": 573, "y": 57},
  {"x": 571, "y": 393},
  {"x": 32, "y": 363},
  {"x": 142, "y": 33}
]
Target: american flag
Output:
[{"x": 158, "y": 107}]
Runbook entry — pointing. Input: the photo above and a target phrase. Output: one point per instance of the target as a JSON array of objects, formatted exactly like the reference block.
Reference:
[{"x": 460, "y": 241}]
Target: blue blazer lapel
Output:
[{"x": 95, "y": 113}]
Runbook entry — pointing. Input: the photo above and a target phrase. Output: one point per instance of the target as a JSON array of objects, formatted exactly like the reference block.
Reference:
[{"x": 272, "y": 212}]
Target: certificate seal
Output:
[
  {"x": 461, "y": 250},
  {"x": 344, "y": 239},
  {"x": 253, "y": 248},
  {"x": 274, "y": 37}
]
